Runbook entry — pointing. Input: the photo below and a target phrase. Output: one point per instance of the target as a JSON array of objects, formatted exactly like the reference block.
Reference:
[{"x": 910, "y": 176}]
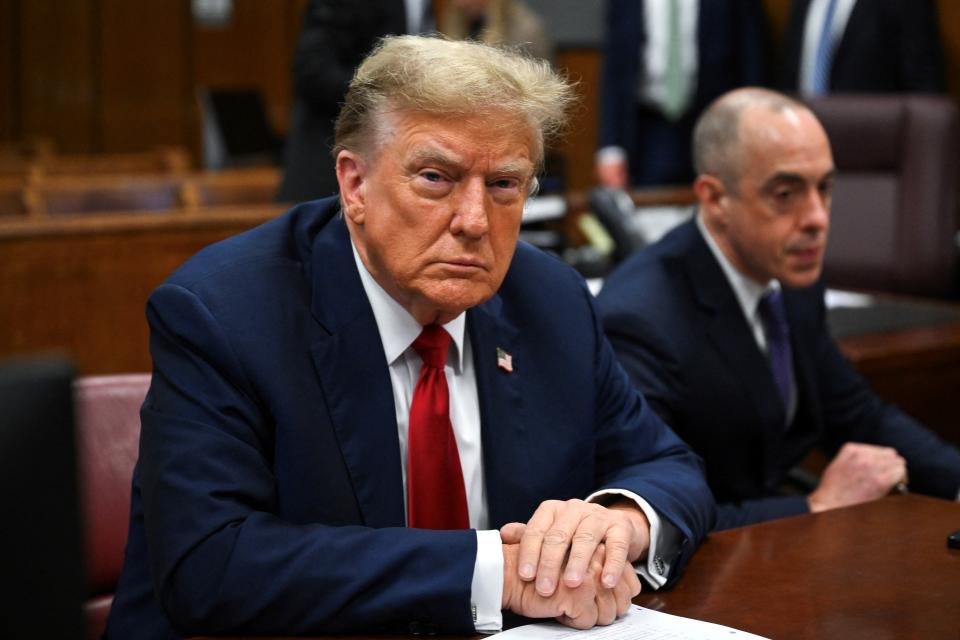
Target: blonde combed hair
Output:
[{"x": 451, "y": 78}]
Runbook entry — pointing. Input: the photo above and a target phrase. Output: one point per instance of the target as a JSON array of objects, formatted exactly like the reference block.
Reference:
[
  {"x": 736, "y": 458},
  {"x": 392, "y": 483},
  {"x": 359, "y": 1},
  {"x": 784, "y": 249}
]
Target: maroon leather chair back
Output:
[
  {"x": 108, "y": 436},
  {"x": 895, "y": 219}
]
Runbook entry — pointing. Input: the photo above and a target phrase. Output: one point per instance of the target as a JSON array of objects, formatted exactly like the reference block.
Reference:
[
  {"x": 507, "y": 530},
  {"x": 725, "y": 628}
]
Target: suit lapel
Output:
[
  {"x": 351, "y": 366},
  {"x": 730, "y": 334},
  {"x": 501, "y": 417}
]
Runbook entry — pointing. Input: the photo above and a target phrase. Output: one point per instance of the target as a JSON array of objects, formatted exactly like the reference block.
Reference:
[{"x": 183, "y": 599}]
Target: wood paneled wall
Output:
[{"x": 114, "y": 75}]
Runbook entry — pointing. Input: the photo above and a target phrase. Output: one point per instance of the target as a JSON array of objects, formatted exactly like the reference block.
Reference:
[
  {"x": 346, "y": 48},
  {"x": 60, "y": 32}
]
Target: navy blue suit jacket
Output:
[
  {"x": 887, "y": 46},
  {"x": 731, "y": 53},
  {"x": 680, "y": 333},
  {"x": 268, "y": 495}
]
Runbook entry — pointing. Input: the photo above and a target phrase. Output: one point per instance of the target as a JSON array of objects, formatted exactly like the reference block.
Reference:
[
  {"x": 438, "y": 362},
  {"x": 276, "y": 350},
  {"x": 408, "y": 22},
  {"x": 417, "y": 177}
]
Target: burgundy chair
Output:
[
  {"x": 108, "y": 435},
  {"x": 895, "y": 219}
]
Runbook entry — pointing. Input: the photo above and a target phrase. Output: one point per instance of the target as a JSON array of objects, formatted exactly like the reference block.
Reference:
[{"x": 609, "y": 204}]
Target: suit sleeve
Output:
[
  {"x": 638, "y": 452},
  {"x": 222, "y": 559},
  {"x": 853, "y": 412},
  {"x": 617, "y": 86}
]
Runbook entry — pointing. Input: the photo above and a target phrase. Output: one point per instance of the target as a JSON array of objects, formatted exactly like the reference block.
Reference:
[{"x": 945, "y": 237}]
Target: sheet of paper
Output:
[{"x": 638, "y": 624}]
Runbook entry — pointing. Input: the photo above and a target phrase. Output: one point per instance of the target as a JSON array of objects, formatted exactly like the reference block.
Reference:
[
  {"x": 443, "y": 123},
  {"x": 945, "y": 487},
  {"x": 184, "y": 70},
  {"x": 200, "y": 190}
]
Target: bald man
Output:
[{"x": 722, "y": 325}]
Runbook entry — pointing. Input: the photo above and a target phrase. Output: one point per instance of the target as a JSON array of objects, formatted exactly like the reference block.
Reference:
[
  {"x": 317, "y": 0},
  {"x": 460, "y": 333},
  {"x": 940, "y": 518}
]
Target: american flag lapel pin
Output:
[{"x": 504, "y": 360}]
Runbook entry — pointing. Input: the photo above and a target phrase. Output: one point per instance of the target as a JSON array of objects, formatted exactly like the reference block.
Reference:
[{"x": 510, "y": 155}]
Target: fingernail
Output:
[
  {"x": 610, "y": 580},
  {"x": 572, "y": 577},
  {"x": 545, "y": 585},
  {"x": 526, "y": 571}
]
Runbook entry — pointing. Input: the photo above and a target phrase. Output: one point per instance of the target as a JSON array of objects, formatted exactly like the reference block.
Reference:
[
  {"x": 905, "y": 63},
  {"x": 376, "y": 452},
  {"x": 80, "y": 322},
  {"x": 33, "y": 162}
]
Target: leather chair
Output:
[
  {"x": 895, "y": 219},
  {"x": 108, "y": 434}
]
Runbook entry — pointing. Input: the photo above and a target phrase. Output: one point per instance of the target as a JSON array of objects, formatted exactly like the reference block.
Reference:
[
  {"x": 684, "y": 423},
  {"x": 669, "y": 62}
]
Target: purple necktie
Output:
[{"x": 779, "y": 353}]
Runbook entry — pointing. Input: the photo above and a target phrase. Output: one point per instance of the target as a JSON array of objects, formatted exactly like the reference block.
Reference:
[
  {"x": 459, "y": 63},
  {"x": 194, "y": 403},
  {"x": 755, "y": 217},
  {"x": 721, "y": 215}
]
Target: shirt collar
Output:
[
  {"x": 747, "y": 290},
  {"x": 398, "y": 329}
]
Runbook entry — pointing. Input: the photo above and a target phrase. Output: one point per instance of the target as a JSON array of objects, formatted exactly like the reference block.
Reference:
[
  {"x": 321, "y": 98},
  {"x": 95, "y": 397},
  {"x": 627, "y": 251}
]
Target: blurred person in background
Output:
[
  {"x": 336, "y": 36},
  {"x": 833, "y": 46},
  {"x": 509, "y": 22},
  {"x": 663, "y": 62}
]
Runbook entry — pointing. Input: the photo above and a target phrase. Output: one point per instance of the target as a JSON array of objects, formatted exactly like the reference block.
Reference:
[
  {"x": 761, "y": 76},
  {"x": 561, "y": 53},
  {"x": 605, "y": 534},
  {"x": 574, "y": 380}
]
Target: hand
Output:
[
  {"x": 859, "y": 473},
  {"x": 612, "y": 173},
  {"x": 581, "y": 607},
  {"x": 565, "y": 536}
]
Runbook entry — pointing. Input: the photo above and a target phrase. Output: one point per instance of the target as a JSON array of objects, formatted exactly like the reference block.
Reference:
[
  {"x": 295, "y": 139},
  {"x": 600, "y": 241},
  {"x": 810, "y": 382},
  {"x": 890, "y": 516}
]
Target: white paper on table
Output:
[{"x": 638, "y": 624}]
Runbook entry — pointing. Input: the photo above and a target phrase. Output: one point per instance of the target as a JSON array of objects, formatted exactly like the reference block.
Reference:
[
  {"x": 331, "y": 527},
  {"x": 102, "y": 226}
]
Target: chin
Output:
[{"x": 801, "y": 280}]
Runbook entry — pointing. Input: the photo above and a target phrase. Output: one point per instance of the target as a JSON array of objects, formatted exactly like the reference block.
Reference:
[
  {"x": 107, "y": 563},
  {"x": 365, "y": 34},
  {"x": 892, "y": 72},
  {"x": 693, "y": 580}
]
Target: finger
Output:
[
  {"x": 589, "y": 534},
  {"x": 531, "y": 540},
  {"x": 511, "y": 532},
  {"x": 556, "y": 545},
  {"x": 626, "y": 590},
  {"x": 617, "y": 541},
  {"x": 606, "y": 606}
]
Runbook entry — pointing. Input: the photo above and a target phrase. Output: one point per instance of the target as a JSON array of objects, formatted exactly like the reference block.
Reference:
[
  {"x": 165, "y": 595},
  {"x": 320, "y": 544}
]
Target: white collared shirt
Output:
[
  {"x": 652, "y": 89},
  {"x": 398, "y": 329},
  {"x": 748, "y": 293}
]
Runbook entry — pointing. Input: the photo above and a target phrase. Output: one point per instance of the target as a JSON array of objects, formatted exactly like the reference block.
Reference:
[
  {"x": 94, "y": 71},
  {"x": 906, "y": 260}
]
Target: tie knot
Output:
[
  {"x": 773, "y": 313},
  {"x": 432, "y": 345}
]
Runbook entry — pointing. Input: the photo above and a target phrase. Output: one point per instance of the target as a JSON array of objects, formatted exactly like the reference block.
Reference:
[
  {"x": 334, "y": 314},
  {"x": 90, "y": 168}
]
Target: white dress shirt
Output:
[{"x": 398, "y": 330}]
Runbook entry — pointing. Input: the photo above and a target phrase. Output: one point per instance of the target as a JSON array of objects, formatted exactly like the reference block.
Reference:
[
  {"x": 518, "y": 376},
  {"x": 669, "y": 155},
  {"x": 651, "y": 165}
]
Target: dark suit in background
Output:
[
  {"x": 336, "y": 36},
  {"x": 731, "y": 53},
  {"x": 680, "y": 333},
  {"x": 887, "y": 46},
  {"x": 270, "y": 469}
]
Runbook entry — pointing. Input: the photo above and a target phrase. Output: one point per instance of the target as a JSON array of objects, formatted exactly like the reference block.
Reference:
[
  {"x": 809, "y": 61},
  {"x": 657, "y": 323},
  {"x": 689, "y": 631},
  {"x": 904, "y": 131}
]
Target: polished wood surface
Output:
[{"x": 878, "y": 570}]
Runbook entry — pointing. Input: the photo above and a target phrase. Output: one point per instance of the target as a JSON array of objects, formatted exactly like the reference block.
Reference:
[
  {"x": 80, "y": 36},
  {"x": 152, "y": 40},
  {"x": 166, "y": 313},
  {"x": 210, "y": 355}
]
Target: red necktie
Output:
[{"x": 436, "y": 498}]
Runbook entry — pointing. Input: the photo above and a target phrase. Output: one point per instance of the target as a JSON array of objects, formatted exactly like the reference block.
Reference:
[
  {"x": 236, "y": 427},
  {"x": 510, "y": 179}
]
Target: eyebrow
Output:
[
  {"x": 794, "y": 178},
  {"x": 519, "y": 167}
]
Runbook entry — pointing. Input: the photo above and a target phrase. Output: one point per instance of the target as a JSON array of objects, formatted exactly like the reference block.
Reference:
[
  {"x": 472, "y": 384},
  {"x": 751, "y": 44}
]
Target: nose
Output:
[
  {"x": 816, "y": 215},
  {"x": 470, "y": 213}
]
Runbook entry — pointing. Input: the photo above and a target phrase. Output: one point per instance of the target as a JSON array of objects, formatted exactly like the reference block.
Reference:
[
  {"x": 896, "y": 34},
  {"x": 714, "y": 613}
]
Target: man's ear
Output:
[
  {"x": 712, "y": 197},
  {"x": 351, "y": 174}
]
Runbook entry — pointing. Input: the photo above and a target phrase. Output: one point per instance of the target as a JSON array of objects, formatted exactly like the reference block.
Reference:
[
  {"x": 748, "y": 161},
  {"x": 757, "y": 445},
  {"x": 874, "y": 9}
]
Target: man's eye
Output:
[
  {"x": 506, "y": 183},
  {"x": 432, "y": 176}
]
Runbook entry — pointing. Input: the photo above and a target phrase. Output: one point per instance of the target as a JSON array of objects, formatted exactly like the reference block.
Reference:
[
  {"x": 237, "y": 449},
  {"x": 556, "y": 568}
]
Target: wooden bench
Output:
[{"x": 79, "y": 284}]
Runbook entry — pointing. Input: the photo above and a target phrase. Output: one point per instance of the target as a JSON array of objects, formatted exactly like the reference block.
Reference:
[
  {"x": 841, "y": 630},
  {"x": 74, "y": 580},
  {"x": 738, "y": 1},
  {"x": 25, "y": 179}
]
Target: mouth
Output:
[
  {"x": 807, "y": 254},
  {"x": 464, "y": 264}
]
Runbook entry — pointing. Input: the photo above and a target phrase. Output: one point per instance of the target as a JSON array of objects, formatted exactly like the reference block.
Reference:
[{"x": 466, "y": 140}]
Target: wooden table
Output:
[
  {"x": 878, "y": 570},
  {"x": 881, "y": 570}
]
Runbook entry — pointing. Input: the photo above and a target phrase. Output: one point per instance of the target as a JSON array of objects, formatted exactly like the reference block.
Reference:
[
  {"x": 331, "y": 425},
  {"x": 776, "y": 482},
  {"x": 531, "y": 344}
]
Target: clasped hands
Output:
[{"x": 590, "y": 545}]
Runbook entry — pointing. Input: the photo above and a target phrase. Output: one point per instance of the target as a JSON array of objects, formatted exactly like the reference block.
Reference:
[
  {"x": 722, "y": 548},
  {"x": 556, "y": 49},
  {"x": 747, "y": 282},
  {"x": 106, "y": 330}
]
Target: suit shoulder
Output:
[{"x": 284, "y": 241}]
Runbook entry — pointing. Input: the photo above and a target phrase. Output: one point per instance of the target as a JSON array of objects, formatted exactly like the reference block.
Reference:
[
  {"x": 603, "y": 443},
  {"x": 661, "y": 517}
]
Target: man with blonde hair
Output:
[{"x": 348, "y": 401}]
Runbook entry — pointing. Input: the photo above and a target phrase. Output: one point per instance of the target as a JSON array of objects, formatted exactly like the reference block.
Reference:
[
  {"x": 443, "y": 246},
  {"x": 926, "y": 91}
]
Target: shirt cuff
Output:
[
  {"x": 610, "y": 154},
  {"x": 486, "y": 590},
  {"x": 654, "y": 570}
]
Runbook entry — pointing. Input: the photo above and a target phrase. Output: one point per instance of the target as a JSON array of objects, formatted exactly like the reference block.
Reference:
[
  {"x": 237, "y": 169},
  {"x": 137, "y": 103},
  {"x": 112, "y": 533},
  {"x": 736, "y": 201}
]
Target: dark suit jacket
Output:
[
  {"x": 678, "y": 329},
  {"x": 731, "y": 53},
  {"x": 336, "y": 37},
  {"x": 268, "y": 497},
  {"x": 888, "y": 46}
]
